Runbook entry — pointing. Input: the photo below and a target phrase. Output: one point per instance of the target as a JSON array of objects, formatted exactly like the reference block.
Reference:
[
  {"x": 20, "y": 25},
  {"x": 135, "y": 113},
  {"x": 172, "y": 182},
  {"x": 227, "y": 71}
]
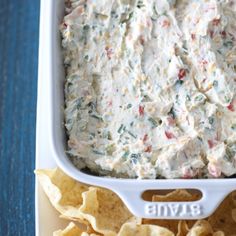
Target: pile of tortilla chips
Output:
[{"x": 94, "y": 211}]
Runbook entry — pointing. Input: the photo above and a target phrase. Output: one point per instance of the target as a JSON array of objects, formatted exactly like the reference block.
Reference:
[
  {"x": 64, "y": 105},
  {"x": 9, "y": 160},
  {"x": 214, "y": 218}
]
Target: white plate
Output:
[{"x": 46, "y": 217}]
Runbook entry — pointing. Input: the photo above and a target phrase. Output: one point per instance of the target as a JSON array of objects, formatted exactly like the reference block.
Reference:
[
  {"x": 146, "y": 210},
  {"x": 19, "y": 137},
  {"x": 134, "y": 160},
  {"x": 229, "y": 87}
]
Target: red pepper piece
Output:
[
  {"x": 109, "y": 52},
  {"x": 182, "y": 74},
  {"x": 187, "y": 175},
  {"x": 193, "y": 36},
  {"x": 110, "y": 103},
  {"x": 145, "y": 138},
  {"x": 169, "y": 135},
  {"x": 141, "y": 110},
  {"x": 223, "y": 34},
  {"x": 230, "y": 107},
  {"x": 142, "y": 40},
  {"x": 204, "y": 62},
  {"x": 214, "y": 170},
  {"x": 165, "y": 23},
  {"x": 211, "y": 33},
  {"x": 148, "y": 149},
  {"x": 211, "y": 143},
  {"x": 216, "y": 22}
]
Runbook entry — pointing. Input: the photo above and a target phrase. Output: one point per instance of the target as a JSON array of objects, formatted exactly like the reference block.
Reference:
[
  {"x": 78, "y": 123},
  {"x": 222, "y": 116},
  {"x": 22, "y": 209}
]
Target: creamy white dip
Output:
[{"x": 151, "y": 87}]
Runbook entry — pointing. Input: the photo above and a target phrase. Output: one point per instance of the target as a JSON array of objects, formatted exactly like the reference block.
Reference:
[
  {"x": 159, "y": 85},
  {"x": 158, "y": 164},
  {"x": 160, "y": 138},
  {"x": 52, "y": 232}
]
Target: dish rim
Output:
[{"x": 50, "y": 115}]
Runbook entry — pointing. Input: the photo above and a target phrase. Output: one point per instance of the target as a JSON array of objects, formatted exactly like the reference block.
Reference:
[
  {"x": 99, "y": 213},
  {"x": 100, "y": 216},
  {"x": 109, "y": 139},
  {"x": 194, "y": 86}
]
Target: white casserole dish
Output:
[{"x": 51, "y": 139}]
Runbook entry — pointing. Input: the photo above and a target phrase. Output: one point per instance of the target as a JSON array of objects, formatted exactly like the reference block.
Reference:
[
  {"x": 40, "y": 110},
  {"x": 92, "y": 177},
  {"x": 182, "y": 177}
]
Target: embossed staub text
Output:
[{"x": 173, "y": 210}]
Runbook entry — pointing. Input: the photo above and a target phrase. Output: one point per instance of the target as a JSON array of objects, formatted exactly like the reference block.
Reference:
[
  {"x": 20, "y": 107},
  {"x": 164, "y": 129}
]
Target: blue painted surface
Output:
[{"x": 19, "y": 25}]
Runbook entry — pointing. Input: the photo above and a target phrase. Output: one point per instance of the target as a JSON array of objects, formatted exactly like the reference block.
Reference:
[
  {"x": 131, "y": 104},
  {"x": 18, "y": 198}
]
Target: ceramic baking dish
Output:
[{"x": 51, "y": 140}]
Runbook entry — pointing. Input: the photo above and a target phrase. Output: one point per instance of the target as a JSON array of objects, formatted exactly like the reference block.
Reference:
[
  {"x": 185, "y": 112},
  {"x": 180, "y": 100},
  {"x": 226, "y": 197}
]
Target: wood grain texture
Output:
[{"x": 19, "y": 27}]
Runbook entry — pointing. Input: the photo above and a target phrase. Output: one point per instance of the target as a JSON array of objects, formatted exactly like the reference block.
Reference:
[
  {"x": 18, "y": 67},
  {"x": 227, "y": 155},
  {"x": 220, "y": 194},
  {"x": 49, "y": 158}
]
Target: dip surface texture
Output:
[{"x": 151, "y": 87}]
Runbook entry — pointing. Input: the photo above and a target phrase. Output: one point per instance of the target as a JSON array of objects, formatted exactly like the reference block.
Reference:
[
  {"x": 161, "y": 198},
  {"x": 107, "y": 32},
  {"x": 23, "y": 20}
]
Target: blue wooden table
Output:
[{"x": 19, "y": 26}]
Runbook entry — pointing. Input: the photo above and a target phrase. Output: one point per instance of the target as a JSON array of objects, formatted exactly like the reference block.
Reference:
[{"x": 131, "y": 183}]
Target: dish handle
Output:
[{"x": 211, "y": 198}]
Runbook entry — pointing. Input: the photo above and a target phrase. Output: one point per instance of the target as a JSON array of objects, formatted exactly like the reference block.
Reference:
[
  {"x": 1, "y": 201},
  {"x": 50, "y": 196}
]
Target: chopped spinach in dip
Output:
[{"x": 151, "y": 87}]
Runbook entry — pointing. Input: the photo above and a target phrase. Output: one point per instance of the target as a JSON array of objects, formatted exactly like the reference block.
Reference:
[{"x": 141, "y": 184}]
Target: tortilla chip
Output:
[
  {"x": 222, "y": 219},
  {"x": 177, "y": 195},
  {"x": 80, "y": 220},
  {"x": 87, "y": 234},
  {"x": 64, "y": 193},
  {"x": 172, "y": 225},
  {"x": 176, "y": 226},
  {"x": 71, "y": 230},
  {"x": 202, "y": 228},
  {"x": 104, "y": 210},
  {"x": 129, "y": 229},
  {"x": 234, "y": 214},
  {"x": 134, "y": 220},
  {"x": 183, "y": 228},
  {"x": 220, "y": 233},
  {"x": 233, "y": 196}
]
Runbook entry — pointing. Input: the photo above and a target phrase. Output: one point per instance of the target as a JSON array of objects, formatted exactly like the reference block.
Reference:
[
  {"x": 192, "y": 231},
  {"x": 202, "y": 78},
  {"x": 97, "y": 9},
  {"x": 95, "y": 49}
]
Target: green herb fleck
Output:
[
  {"x": 129, "y": 106},
  {"x": 92, "y": 106},
  {"x": 91, "y": 136},
  {"x": 227, "y": 157},
  {"x": 153, "y": 122},
  {"x": 211, "y": 120},
  {"x": 134, "y": 158},
  {"x": 140, "y": 4},
  {"x": 131, "y": 134},
  {"x": 110, "y": 149},
  {"x": 79, "y": 103},
  {"x": 86, "y": 57},
  {"x": 98, "y": 152},
  {"x": 126, "y": 154},
  {"x": 86, "y": 27},
  {"x": 130, "y": 16},
  {"x": 127, "y": 18},
  {"x": 154, "y": 17},
  {"x": 120, "y": 128},
  {"x": 215, "y": 83},
  {"x": 228, "y": 44},
  {"x": 113, "y": 12},
  {"x": 188, "y": 98},
  {"x": 96, "y": 117},
  {"x": 233, "y": 127},
  {"x": 227, "y": 99},
  {"x": 83, "y": 127},
  {"x": 199, "y": 98},
  {"x": 177, "y": 99},
  {"x": 199, "y": 138},
  {"x": 109, "y": 137},
  {"x": 172, "y": 112},
  {"x": 179, "y": 82},
  {"x": 134, "y": 155}
]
